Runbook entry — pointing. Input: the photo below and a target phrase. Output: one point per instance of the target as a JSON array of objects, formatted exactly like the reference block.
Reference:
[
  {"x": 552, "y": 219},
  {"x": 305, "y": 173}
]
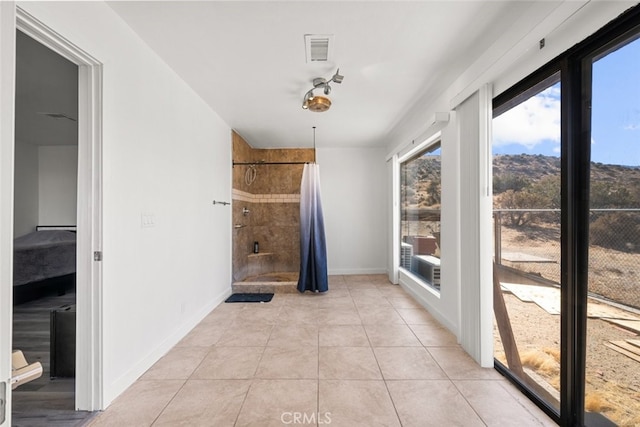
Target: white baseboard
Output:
[
  {"x": 352, "y": 271},
  {"x": 126, "y": 380}
]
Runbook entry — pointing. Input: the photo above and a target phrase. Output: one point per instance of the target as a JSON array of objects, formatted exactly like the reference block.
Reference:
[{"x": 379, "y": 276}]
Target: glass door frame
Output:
[{"x": 575, "y": 67}]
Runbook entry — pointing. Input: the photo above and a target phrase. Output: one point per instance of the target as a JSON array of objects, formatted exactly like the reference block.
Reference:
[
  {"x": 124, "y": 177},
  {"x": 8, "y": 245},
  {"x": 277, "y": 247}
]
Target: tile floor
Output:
[{"x": 363, "y": 354}]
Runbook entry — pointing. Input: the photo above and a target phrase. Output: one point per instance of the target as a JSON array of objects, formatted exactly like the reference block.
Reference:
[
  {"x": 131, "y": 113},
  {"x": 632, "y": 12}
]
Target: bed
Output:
[{"x": 43, "y": 260}]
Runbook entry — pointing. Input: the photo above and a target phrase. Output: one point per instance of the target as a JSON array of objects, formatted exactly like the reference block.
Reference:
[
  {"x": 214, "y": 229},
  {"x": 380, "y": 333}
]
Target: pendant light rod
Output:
[{"x": 314, "y": 144}]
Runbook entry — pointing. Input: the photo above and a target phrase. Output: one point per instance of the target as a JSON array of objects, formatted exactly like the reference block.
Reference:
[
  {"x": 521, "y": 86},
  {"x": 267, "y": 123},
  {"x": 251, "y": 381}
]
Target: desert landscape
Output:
[{"x": 613, "y": 379}]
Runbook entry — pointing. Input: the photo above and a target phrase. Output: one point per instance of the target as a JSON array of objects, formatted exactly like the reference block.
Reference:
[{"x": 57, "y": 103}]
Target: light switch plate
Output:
[{"x": 147, "y": 220}]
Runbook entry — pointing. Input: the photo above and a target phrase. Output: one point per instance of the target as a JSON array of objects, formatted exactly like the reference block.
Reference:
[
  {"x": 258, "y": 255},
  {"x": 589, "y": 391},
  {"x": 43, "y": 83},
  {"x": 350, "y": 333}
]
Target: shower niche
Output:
[{"x": 266, "y": 210}]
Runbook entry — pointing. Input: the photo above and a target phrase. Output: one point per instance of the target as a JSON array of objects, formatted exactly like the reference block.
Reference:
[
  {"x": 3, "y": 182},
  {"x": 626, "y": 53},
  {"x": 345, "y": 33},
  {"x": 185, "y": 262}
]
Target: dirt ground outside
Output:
[{"x": 613, "y": 379}]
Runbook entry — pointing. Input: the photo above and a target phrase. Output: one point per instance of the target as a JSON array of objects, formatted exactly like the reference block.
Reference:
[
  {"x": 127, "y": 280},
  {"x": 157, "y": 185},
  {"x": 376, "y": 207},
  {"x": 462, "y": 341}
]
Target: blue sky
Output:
[{"x": 533, "y": 127}]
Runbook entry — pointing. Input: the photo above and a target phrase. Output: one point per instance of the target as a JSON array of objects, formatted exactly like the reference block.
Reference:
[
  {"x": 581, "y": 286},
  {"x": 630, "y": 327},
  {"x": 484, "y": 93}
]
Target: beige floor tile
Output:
[
  {"x": 407, "y": 363},
  {"x": 255, "y": 313},
  {"x": 403, "y": 302},
  {"x": 434, "y": 335},
  {"x": 377, "y": 314},
  {"x": 223, "y": 314},
  {"x": 369, "y": 297},
  {"x": 343, "y": 336},
  {"x": 280, "y": 363},
  {"x": 205, "y": 403},
  {"x": 427, "y": 403},
  {"x": 356, "y": 403},
  {"x": 337, "y": 291},
  {"x": 367, "y": 279},
  {"x": 178, "y": 364},
  {"x": 391, "y": 336},
  {"x": 336, "y": 280},
  {"x": 368, "y": 292},
  {"x": 150, "y": 398},
  {"x": 457, "y": 364},
  {"x": 483, "y": 395},
  {"x": 417, "y": 316},
  {"x": 300, "y": 300},
  {"x": 527, "y": 404},
  {"x": 389, "y": 290},
  {"x": 348, "y": 363},
  {"x": 338, "y": 316},
  {"x": 229, "y": 363},
  {"x": 298, "y": 315},
  {"x": 276, "y": 402},
  {"x": 293, "y": 336},
  {"x": 342, "y": 301},
  {"x": 289, "y": 363},
  {"x": 244, "y": 335},
  {"x": 203, "y": 335}
]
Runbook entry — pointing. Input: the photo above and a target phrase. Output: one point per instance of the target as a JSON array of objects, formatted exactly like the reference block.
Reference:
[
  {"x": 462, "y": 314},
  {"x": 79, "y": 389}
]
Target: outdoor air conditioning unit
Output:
[
  {"x": 428, "y": 267},
  {"x": 406, "y": 253}
]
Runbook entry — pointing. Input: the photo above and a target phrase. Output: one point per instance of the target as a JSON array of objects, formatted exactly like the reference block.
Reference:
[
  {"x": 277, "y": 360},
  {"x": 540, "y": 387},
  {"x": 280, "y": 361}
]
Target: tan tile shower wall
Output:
[{"x": 273, "y": 200}]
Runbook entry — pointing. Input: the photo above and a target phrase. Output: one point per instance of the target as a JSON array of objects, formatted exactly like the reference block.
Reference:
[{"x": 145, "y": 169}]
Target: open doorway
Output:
[
  {"x": 45, "y": 225},
  {"x": 88, "y": 388}
]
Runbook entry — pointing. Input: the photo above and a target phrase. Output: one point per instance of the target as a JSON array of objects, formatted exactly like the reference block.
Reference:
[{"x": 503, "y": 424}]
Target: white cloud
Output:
[{"x": 530, "y": 123}]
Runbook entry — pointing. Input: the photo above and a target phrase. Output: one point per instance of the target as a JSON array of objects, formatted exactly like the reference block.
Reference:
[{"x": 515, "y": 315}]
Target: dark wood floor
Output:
[{"x": 46, "y": 401}]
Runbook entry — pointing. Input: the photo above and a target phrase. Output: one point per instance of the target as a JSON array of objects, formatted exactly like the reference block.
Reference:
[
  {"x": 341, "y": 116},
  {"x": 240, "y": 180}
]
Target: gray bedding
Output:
[{"x": 42, "y": 255}]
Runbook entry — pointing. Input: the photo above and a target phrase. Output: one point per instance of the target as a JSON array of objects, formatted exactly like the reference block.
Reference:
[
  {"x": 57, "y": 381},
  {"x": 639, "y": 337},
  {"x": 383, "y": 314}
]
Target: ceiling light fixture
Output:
[{"x": 319, "y": 103}]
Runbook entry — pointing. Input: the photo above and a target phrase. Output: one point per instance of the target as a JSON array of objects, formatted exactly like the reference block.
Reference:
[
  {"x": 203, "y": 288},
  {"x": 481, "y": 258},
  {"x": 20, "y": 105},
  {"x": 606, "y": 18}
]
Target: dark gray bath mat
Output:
[{"x": 250, "y": 298}]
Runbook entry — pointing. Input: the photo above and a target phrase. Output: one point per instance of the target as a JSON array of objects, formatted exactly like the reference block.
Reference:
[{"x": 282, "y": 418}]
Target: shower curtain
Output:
[{"x": 313, "y": 247}]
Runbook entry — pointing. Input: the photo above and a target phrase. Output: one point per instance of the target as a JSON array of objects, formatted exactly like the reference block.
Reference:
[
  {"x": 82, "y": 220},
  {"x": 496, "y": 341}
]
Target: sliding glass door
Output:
[
  {"x": 567, "y": 230},
  {"x": 526, "y": 189},
  {"x": 613, "y": 327}
]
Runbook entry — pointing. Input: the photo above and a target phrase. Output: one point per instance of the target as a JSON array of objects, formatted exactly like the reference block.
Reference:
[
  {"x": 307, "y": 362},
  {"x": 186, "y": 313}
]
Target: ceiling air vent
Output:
[{"x": 319, "y": 47}]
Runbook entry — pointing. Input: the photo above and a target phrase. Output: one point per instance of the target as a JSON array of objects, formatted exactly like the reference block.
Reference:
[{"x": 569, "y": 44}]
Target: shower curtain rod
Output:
[{"x": 268, "y": 163}]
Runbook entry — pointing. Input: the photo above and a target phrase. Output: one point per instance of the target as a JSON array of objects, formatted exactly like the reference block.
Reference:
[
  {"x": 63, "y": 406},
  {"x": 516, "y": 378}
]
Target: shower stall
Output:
[{"x": 266, "y": 216}]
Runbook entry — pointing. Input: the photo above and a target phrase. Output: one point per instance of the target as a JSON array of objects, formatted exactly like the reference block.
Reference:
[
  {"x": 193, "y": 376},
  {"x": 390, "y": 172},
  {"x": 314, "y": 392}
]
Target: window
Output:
[{"x": 420, "y": 194}]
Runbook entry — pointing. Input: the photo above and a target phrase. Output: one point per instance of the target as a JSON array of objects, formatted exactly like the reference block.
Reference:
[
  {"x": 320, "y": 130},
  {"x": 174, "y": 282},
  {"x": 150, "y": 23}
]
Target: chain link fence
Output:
[{"x": 529, "y": 240}]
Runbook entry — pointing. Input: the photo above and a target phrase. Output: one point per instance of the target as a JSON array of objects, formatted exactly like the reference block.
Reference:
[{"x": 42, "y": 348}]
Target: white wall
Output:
[
  {"x": 166, "y": 155},
  {"x": 57, "y": 184},
  {"x": 354, "y": 190},
  {"x": 26, "y": 189}
]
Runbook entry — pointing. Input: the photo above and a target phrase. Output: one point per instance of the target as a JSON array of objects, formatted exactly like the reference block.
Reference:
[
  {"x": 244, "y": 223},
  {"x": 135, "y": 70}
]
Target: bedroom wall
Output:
[
  {"x": 57, "y": 184},
  {"x": 166, "y": 157},
  {"x": 26, "y": 189},
  {"x": 354, "y": 190}
]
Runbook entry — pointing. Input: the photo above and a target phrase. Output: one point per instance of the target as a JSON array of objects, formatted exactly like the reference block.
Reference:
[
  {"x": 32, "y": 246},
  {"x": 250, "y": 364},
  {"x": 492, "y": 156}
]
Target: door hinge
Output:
[{"x": 97, "y": 255}]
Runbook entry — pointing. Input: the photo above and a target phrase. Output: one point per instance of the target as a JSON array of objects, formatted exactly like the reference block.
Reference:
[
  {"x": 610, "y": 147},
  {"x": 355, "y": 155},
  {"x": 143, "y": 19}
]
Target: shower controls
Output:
[
  {"x": 256, "y": 247},
  {"x": 245, "y": 211}
]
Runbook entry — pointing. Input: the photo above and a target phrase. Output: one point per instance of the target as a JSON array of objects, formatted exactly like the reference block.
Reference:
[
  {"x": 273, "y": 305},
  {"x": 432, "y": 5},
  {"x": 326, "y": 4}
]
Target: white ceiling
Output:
[{"x": 247, "y": 60}]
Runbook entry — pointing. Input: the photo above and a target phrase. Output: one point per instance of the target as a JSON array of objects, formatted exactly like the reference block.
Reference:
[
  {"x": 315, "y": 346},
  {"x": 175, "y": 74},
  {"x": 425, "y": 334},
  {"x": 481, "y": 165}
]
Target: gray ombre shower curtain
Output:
[{"x": 313, "y": 247}]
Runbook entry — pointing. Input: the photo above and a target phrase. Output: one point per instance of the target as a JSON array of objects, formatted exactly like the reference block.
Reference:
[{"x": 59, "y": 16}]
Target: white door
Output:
[{"x": 7, "y": 106}]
